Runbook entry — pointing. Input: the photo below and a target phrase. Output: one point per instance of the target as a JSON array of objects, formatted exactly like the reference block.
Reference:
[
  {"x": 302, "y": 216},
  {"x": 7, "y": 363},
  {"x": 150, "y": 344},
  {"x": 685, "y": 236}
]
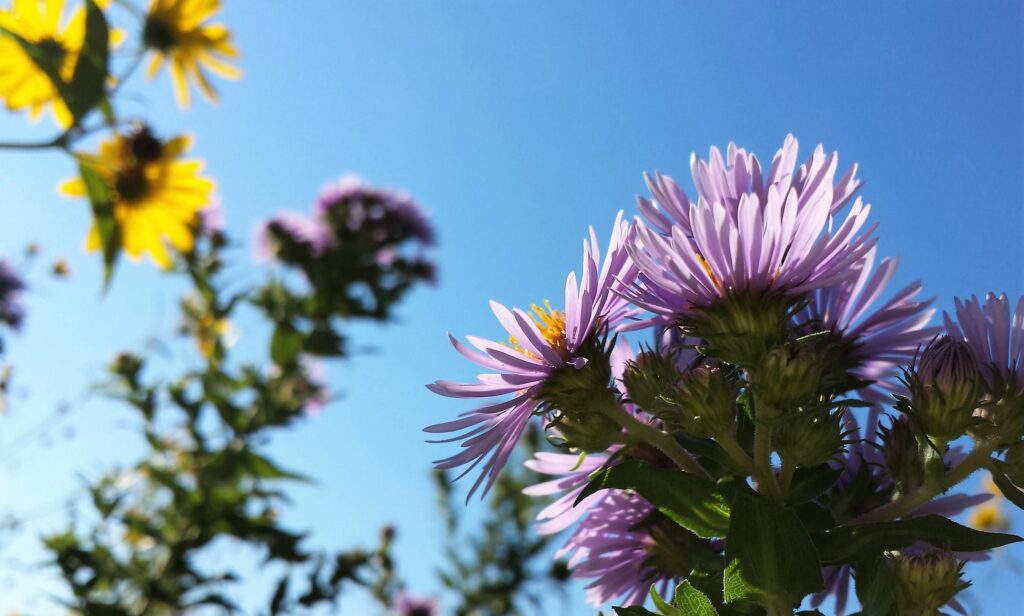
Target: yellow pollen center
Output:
[{"x": 550, "y": 323}]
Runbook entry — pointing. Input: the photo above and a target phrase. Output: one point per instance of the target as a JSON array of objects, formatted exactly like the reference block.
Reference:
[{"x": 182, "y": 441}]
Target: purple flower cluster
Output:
[
  {"x": 12, "y": 312},
  {"x": 796, "y": 232}
]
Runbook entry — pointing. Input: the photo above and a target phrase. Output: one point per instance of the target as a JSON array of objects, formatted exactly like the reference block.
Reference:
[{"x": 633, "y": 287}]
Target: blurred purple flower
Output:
[
  {"x": 365, "y": 204},
  {"x": 539, "y": 345},
  {"x": 12, "y": 313},
  {"x": 211, "y": 218},
  {"x": 406, "y": 604},
  {"x": 744, "y": 234},
  {"x": 299, "y": 227}
]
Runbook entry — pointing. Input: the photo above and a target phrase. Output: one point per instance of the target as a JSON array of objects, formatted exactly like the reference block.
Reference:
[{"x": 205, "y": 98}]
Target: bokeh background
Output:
[{"x": 517, "y": 124}]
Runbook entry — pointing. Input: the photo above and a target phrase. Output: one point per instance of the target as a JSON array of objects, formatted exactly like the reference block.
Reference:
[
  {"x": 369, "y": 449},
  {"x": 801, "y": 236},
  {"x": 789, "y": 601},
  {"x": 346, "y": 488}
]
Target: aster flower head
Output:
[
  {"x": 549, "y": 342},
  {"x": 995, "y": 334},
  {"x": 747, "y": 236},
  {"x": 391, "y": 214},
  {"x": 156, "y": 196},
  {"x": 176, "y": 32}
]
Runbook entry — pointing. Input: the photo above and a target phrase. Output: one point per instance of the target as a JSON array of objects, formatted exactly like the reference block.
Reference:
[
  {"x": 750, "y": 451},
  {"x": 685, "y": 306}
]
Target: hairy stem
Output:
[
  {"x": 663, "y": 442},
  {"x": 766, "y": 482},
  {"x": 908, "y": 503},
  {"x": 734, "y": 451}
]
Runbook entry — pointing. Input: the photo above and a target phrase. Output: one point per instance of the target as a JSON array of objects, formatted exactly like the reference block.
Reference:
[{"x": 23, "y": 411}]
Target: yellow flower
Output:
[
  {"x": 175, "y": 32},
  {"x": 23, "y": 85},
  {"x": 156, "y": 197}
]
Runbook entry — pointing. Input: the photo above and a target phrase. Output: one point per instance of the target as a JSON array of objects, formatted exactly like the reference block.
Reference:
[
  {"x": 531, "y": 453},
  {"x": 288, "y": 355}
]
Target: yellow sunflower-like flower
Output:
[
  {"x": 176, "y": 33},
  {"x": 23, "y": 85},
  {"x": 156, "y": 197}
]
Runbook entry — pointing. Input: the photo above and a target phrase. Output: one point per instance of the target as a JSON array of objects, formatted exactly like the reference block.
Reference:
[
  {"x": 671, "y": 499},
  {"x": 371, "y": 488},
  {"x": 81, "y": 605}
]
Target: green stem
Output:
[
  {"x": 908, "y": 503},
  {"x": 734, "y": 451},
  {"x": 663, "y": 442},
  {"x": 786, "y": 476},
  {"x": 766, "y": 482}
]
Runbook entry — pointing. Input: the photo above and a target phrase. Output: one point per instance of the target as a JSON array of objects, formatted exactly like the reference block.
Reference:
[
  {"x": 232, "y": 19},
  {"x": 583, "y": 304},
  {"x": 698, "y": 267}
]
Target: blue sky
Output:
[{"x": 517, "y": 124}]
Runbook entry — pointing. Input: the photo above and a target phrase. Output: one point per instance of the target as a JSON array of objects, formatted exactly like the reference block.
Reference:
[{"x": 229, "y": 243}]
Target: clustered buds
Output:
[
  {"x": 945, "y": 388},
  {"x": 700, "y": 400},
  {"x": 902, "y": 454},
  {"x": 576, "y": 392},
  {"x": 741, "y": 329}
]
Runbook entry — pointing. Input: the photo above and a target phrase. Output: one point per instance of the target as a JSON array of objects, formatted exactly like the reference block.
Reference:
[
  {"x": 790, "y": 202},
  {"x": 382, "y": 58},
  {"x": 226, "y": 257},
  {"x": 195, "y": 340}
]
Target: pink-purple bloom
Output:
[
  {"x": 394, "y": 213},
  {"x": 747, "y": 233},
  {"x": 538, "y": 346},
  {"x": 994, "y": 333},
  {"x": 299, "y": 228},
  {"x": 406, "y": 604}
]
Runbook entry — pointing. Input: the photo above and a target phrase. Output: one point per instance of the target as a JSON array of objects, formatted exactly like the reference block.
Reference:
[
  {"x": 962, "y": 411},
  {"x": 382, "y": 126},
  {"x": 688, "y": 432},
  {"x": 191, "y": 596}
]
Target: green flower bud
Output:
[
  {"x": 574, "y": 389},
  {"x": 1013, "y": 465},
  {"x": 945, "y": 388},
  {"x": 742, "y": 328},
  {"x": 590, "y": 432},
  {"x": 902, "y": 455},
  {"x": 809, "y": 439},
  {"x": 707, "y": 399},
  {"x": 789, "y": 377},
  {"x": 926, "y": 583},
  {"x": 700, "y": 400},
  {"x": 651, "y": 381}
]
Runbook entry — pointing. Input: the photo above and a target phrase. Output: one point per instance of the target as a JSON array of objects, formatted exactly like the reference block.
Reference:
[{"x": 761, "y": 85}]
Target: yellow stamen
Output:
[
  {"x": 551, "y": 325},
  {"x": 707, "y": 269}
]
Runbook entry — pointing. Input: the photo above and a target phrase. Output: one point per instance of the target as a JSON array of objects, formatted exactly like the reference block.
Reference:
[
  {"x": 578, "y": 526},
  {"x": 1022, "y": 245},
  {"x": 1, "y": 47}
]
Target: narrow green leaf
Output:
[
  {"x": 663, "y": 607},
  {"x": 1007, "y": 487},
  {"x": 690, "y": 501},
  {"x": 689, "y": 601},
  {"x": 851, "y": 544},
  {"x": 87, "y": 86},
  {"x": 768, "y": 553},
  {"x": 103, "y": 217}
]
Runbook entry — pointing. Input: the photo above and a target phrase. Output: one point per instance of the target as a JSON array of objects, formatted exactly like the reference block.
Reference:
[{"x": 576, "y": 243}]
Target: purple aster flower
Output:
[
  {"x": 299, "y": 227},
  {"x": 538, "y": 346},
  {"x": 611, "y": 548},
  {"x": 361, "y": 205},
  {"x": 406, "y": 604},
  {"x": 994, "y": 334},
  {"x": 211, "y": 218},
  {"x": 746, "y": 233},
  {"x": 573, "y": 476},
  {"x": 879, "y": 339},
  {"x": 12, "y": 313}
]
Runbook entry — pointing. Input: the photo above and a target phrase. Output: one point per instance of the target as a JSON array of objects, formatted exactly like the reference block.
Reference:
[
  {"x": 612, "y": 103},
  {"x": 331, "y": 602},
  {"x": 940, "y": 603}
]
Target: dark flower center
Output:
[
  {"x": 157, "y": 34},
  {"x": 131, "y": 185}
]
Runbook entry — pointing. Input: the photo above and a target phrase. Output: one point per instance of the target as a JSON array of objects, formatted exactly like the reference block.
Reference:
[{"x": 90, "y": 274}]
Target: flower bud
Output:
[
  {"x": 590, "y": 432},
  {"x": 651, "y": 381},
  {"x": 809, "y": 439},
  {"x": 945, "y": 388},
  {"x": 707, "y": 401},
  {"x": 741, "y": 328},
  {"x": 576, "y": 387},
  {"x": 789, "y": 377},
  {"x": 927, "y": 582},
  {"x": 902, "y": 455},
  {"x": 1013, "y": 465}
]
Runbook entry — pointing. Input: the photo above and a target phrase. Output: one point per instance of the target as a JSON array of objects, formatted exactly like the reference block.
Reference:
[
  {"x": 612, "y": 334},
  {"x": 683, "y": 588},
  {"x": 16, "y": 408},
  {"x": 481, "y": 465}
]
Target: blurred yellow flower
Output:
[
  {"x": 23, "y": 85},
  {"x": 175, "y": 32},
  {"x": 990, "y": 516},
  {"x": 156, "y": 197}
]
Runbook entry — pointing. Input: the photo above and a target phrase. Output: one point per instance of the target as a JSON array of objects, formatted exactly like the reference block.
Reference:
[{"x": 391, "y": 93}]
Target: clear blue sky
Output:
[{"x": 517, "y": 124}]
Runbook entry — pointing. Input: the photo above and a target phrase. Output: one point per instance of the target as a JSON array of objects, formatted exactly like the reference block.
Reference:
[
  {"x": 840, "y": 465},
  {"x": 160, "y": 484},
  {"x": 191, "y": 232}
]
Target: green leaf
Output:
[
  {"x": 690, "y": 501},
  {"x": 264, "y": 468},
  {"x": 851, "y": 544},
  {"x": 688, "y": 601},
  {"x": 876, "y": 586},
  {"x": 768, "y": 553},
  {"x": 811, "y": 482},
  {"x": 1007, "y": 487},
  {"x": 87, "y": 87},
  {"x": 663, "y": 607},
  {"x": 103, "y": 217},
  {"x": 285, "y": 344}
]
